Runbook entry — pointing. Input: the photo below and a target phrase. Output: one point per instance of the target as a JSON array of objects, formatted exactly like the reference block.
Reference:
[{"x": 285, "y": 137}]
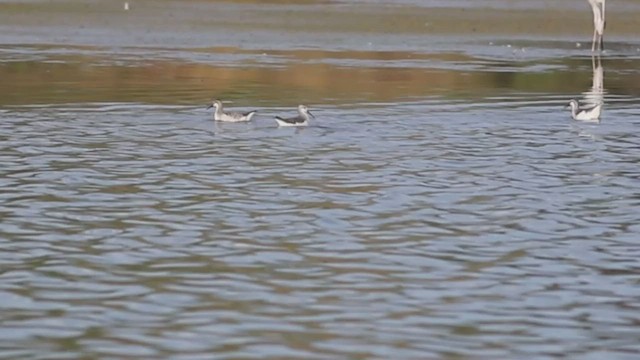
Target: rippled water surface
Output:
[{"x": 442, "y": 205}]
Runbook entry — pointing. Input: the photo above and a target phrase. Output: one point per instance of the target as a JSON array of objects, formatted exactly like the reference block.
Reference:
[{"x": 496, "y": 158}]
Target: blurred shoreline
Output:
[
  {"x": 285, "y": 52},
  {"x": 304, "y": 24}
]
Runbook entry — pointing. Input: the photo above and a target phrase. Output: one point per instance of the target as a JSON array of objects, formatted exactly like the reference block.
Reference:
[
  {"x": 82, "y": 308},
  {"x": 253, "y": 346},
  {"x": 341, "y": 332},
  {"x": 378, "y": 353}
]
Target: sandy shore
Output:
[{"x": 260, "y": 24}]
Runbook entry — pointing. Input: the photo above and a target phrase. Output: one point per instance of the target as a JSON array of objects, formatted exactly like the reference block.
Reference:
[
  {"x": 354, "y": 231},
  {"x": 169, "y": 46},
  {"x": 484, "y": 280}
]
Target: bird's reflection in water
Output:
[
  {"x": 592, "y": 103},
  {"x": 595, "y": 95},
  {"x": 590, "y": 109}
]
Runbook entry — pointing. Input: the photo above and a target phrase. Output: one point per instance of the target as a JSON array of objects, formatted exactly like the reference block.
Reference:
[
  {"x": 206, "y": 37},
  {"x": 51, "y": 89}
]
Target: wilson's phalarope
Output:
[
  {"x": 220, "y": 115},
  {"x": 301, "y": 120},
  {"x": 591, "y": 114}
]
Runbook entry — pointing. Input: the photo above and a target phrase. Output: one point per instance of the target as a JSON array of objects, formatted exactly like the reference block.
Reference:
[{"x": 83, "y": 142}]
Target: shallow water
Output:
[{"x": 442, "y": 204}]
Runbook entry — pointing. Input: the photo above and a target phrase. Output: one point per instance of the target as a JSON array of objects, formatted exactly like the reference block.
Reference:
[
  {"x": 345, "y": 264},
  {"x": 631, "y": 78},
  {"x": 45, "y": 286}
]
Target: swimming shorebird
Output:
[
  {"x": 220, "y": 115},
  {"x": 301, "y": 120},
  {"x": 591, "y": 114},
  {"x": 597, "y": 7}
]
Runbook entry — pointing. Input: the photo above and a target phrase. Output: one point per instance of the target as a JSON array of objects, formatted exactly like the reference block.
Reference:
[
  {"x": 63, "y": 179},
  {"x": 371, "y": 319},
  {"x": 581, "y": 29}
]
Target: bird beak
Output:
[
  {"x": 567, "y": 106},
  {"x": 209, "y": 107},
  {"x": 313, "y": 116}
]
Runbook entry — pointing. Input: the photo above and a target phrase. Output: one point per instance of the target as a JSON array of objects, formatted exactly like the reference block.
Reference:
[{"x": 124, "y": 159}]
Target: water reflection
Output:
[
  {"x": 590, "y": 108},
  {"x": 595, "y": 95},
  {"x": 330, "y": 77}
]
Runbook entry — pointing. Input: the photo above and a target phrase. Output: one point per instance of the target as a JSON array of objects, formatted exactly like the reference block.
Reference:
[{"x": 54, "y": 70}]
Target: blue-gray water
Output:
[{"x": 442, "y": 205}]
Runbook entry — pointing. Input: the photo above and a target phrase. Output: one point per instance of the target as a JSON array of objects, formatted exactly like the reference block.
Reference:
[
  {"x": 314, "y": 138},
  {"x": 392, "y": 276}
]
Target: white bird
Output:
[
  {"x": 301, "y": 120},
  {"x": 591, "y": 114},
  {"x": 599, "y": 23},
  {"x": 220, "y": 115}
]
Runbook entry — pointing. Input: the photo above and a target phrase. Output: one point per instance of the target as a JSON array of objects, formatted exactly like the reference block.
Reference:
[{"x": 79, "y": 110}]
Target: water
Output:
[{"x": 442, "y": 204}]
